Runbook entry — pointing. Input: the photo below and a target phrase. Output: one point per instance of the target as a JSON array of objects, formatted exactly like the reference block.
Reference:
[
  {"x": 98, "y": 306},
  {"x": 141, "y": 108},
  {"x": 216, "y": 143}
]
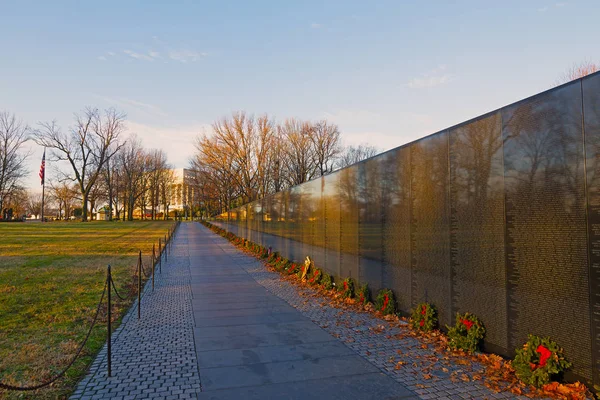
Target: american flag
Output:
[{"x": 43, "y": 167}]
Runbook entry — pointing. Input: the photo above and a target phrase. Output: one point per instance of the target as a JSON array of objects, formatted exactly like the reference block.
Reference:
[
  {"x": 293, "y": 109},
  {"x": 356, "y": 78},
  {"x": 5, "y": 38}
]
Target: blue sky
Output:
[{"x": 387, "y": 72}]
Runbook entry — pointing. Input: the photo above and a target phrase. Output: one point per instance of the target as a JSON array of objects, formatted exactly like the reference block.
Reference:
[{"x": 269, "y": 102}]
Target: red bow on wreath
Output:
[
  {"x": 468, "y": 324},
  {"x": 385, "y": 301}
]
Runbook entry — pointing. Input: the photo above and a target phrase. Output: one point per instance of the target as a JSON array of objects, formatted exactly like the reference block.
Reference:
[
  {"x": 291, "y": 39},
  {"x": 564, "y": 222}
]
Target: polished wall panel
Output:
[
  {"x": 546, "y": 248},
  {"x": 477, "y": 224},
  {"x": 294, "y": 225},
  {"x": 591, "y": 112},
  {"x": 331, "y": 202},
  {"x": 396, "y": 225},
  {"x": 430, "y": 236},
  {"x": 370, "y": 222},
  {"x": 313, "y": 227},
  {"x": 348, "y": 192}
]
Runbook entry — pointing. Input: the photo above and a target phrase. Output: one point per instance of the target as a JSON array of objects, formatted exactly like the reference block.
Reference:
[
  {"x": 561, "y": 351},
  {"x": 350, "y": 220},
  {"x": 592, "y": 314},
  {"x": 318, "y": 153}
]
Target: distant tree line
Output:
[
  {"x": 245, "y": 158},
  {"x": 90, "y": 166}
]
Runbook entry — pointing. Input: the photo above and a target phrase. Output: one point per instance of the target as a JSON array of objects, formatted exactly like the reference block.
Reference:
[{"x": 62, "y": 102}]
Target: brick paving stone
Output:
[{"x": 149, "y": 354}]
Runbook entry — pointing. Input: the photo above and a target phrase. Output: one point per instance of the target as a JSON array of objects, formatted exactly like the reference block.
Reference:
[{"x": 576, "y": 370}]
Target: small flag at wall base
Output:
[{"x": 43, "y": 167}]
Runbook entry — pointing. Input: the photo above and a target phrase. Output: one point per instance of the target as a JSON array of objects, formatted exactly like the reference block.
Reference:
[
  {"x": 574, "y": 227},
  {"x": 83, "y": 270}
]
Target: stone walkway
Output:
[
  {"x": 153, "y": 357},
  {"x": 219, "y": 325}
]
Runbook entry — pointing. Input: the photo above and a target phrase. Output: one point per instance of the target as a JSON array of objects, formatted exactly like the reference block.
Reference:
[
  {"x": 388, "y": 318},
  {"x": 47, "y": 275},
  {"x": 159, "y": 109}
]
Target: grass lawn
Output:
[{"x": 51, "y": 279}]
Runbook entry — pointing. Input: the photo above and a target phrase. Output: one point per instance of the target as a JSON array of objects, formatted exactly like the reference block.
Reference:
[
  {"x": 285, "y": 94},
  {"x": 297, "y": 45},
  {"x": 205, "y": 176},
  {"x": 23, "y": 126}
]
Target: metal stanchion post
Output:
[
  {"x": 159, "y": 253},
  {"x": 153, "y": 267},
  {"x": 166, "y": 248},
  {"x": 109, "y": 328},
  {"x": 139, "y": 283}
]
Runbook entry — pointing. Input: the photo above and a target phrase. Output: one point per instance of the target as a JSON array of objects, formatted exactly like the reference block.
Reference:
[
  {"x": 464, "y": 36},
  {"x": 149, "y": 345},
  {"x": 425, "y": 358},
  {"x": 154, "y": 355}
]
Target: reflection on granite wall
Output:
[{"x": 499, "y": 216}]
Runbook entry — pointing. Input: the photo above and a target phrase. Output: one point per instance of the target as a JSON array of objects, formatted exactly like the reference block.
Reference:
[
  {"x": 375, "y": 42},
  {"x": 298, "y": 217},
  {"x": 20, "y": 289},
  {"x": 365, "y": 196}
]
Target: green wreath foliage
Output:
[
  {"x": 292, "y": 268},
  {"x": 347, "y": 288},
  {"x": 467, "y": 333},
  {"x": 539, "y": 360},
  {"x": 315, "y": 276},
  {"x": 326, "y": 281},
  {"x": 424, "y": 317},
  {"x": 274, "y": 255},
  {"x": 385, "y": 302},
  {"x": 264, "y": 252},
  {"x": 281, "y": 264},
  {"x": 363, "y": 295}
]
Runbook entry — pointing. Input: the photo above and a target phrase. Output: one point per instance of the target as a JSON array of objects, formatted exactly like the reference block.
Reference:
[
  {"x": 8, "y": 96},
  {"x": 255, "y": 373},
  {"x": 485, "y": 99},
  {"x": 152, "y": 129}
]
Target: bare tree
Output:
[
  {"x": 34, "y": 203},
  {"x": 13, "y": 135},
  {"x": 326, "y": 146},
  {"x": 132, "y": 160},
  {"x": 16, "y": 202},
  {"x": 166, "y": 190},
  {"x": 157, "y": 167},
  {"x": 352, "y": 154},
  {"x": 65, "y": 195},
  {"x": 300, "y": 163},
  {"x": 93, "y": 140},
  {"x": 578, "y": 71}
]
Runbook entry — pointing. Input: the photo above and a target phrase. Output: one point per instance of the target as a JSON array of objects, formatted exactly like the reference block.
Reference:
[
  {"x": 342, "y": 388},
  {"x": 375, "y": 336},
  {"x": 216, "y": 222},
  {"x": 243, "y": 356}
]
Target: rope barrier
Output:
[
  {"x": 146, "y": 274},
  {"x": 41, "y": 385},
  {"x": 115, "y": 289}
]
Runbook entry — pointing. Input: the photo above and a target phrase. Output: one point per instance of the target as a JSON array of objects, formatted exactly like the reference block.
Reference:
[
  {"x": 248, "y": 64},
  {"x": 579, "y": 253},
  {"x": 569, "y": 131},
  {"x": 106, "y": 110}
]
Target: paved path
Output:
[
  {"x": 251, "y": 344},
  {"x": 219, "y": 325}
]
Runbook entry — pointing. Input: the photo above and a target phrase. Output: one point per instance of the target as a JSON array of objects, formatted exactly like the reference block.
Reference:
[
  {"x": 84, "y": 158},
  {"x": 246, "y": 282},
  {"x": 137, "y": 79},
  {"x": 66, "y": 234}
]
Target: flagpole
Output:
[
  {"x": 43, "y": 182},
  {"x": 43, "y": 192}
]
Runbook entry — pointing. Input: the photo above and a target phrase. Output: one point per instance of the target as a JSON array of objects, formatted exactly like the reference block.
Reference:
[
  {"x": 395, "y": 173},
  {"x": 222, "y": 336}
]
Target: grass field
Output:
[{"x": 51, "y": 279}]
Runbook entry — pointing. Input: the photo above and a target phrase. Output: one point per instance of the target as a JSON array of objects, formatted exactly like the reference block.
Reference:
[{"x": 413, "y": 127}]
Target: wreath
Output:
[
  {"x": 292, "y": 268},
  {"x": 363, "y": 294},
  {"x": 274, "y": 256},
  {"x": 385, "y": 302},
  {"x": 424, "y": 317},
  {"x": 467, "y": 333},
  {"x": 539, "y": 360},
  {"x": 347, "y": 288},
  {"x": 315, "y": 277},
  {"x": 327, "y": 282}
]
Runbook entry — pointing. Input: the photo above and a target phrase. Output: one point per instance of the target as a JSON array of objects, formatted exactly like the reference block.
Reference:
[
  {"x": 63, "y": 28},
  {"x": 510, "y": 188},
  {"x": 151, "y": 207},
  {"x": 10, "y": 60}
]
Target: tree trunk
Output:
[
  {"x": 110, "y": 191},
  {"x": 84, "y": 210}
]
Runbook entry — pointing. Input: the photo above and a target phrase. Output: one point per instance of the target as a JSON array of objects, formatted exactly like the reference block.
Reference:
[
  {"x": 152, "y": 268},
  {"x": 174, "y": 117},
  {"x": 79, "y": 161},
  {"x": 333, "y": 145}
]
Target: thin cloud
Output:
[
  {"x": 138, "y": 56},
  {"x": 555, "y": 5},
  {"x": 186, "y": 55},
  {"x": 102, "y": 58},
  {"x": 160, "y": 50},
  {"x": 430, "y": 79},
  {"x": 130, "y": 103},
  {"x": 315, "y": 25}
]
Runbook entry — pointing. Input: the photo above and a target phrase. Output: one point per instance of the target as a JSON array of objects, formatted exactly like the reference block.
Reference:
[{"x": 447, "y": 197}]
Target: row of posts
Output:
[{"x": 164, "y": 246}]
